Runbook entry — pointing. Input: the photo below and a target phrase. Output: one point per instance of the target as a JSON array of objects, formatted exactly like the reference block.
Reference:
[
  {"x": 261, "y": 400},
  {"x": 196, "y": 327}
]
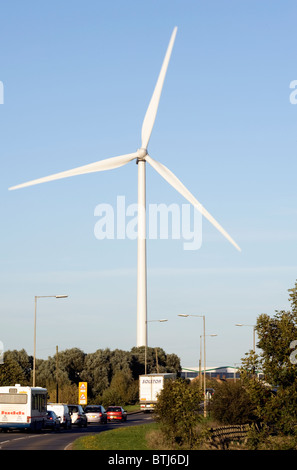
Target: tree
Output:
[
  {"x": 173, "y": 363},
  {"x": 231, "y": 404},
  {"x": 67, "y": 394},
  {"x": 119, "y": 361},
  {"x": 74, "y": 366},
  {"x": 47, "y": 376},
  {"x": 72, "y": 362},
  {"x": 121, "y": 390},
  {"x": 11, "y": 372},
  {"x": 157, "y": 361},
  {"x": 97, "y": 372},
  {"x": 293, "y": 299},
  {"x": 275, "y": 335},
  {"x": 15, "y": 368},
  {"x": 177, "y": 411},
  {"x": 23, "y": 360}
]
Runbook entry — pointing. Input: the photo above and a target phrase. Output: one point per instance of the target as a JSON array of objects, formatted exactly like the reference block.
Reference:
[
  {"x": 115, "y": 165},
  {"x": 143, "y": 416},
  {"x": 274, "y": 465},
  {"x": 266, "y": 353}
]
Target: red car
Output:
[{"x": 116, "y": 413}]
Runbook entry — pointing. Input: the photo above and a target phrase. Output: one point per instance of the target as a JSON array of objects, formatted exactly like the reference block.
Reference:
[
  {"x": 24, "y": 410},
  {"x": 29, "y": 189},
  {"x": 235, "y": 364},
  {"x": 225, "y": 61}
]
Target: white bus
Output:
[{"x": 22, "y": 407}]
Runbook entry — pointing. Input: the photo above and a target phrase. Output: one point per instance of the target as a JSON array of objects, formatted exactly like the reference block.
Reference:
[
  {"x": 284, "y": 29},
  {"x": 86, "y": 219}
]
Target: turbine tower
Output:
[{"x": 141, "y": 156}]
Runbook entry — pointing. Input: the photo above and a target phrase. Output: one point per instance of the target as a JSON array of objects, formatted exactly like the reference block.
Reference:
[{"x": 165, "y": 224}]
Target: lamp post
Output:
[
  {"x": 145, "y": 350},
  {"x": 204, "y": 355},
  {"x": 254, "y": 334},
  {"x": 34, "y": 354},
  {"x": 200, "y": 375}
]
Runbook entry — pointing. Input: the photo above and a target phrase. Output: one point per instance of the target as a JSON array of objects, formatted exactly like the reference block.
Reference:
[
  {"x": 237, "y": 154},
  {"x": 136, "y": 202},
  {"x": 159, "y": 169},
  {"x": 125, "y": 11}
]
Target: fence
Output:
[{"x": 222, "y": 436}]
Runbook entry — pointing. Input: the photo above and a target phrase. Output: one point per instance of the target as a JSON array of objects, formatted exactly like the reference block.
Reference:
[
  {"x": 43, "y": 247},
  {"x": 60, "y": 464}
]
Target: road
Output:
[{"x": 49, "y": 440}]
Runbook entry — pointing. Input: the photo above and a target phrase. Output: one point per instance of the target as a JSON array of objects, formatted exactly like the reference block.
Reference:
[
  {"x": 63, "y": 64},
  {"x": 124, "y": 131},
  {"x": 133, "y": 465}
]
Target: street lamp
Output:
[
  {"x": 34, "y": 354},
  {"x": 254, "y": 333},
  {"x": 145, "y": 350},
  {"x": 204, "y": 355},
  {"x": 200, "y": 375}
]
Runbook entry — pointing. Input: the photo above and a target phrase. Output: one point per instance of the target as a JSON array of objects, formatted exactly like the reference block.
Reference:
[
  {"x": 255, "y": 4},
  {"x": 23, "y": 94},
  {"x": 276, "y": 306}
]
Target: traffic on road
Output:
[
  {"x": 27, "y": 421},
  {"x": 62, "y": 438}
]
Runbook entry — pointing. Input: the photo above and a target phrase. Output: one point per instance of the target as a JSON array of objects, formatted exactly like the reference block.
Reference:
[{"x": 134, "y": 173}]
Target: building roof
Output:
[{"x": 219, "y": 369}]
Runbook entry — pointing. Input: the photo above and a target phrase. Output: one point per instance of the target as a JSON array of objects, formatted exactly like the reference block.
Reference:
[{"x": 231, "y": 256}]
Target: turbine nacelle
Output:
[{"x": 141, "y": 154}]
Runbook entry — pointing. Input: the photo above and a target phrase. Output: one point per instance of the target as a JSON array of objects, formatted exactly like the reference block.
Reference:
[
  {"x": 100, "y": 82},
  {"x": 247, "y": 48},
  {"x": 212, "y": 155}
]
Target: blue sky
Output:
[{"x": 77, "y": 80}]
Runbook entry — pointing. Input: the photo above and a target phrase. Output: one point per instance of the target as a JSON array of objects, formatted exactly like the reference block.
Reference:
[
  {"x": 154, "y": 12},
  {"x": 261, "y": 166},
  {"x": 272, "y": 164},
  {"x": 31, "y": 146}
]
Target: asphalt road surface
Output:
[{"x": 62, "y": 440}]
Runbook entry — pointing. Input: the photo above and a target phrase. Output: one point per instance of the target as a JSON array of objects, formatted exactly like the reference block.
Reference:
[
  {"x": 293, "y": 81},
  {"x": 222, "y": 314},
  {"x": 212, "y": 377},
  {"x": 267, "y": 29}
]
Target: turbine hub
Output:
[{"x": 141, "y": 153}]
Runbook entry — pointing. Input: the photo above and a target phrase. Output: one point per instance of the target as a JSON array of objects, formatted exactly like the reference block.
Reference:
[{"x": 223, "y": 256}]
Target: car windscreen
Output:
[
  {"x": 92, "y": 409},
  {"x": 73, "y": 409}
]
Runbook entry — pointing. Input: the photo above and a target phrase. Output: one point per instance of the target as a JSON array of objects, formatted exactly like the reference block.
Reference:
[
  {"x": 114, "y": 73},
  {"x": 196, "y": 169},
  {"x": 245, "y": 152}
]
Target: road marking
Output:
[
  {"x": 68, "y": 445},
  {"x": 22, "y": 438}
]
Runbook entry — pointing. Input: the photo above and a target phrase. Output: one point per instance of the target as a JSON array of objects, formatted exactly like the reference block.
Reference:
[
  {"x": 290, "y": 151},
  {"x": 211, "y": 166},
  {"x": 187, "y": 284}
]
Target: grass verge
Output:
[{"x": 126, "y": 438}]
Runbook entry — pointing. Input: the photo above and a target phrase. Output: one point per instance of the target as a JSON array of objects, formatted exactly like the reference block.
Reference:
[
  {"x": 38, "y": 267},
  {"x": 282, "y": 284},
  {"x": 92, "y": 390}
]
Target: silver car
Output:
[
  {"x": 78, "y": 416},
  {"x": 95, "y": 414}
]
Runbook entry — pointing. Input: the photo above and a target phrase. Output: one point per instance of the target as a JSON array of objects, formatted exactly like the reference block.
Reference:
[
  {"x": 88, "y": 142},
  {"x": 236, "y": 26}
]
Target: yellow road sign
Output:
[{"x": 83, "y": 393}]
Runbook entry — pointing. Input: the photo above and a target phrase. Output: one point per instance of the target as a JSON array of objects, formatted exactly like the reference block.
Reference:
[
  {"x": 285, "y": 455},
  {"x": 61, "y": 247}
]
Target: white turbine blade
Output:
[
  {"x": 102, "y": 165},
  {"x": 151, "y": 112},
  {"x": 178, "y": 185}
]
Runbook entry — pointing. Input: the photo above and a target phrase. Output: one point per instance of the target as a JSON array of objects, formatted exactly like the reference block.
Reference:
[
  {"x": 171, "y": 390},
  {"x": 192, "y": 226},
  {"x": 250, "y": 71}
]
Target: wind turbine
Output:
[{"x": 141, "y": 156}]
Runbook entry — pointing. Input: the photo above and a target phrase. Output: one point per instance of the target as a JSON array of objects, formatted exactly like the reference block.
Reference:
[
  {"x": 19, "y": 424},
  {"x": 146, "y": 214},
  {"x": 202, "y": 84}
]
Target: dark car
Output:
[
  {"x": 96, "y": 414},
  {"x": 52, "y": 421},
  {"x": 116, "y": 413}
]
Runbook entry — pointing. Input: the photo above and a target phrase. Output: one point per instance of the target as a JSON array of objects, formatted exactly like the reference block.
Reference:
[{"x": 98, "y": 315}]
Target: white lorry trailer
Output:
[{"x": 150, "y": 385}]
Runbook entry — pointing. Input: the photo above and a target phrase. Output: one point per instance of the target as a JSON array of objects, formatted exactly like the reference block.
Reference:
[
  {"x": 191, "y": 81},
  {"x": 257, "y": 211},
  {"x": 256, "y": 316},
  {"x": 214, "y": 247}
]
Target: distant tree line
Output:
[{"x": 112, "y": 375}]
